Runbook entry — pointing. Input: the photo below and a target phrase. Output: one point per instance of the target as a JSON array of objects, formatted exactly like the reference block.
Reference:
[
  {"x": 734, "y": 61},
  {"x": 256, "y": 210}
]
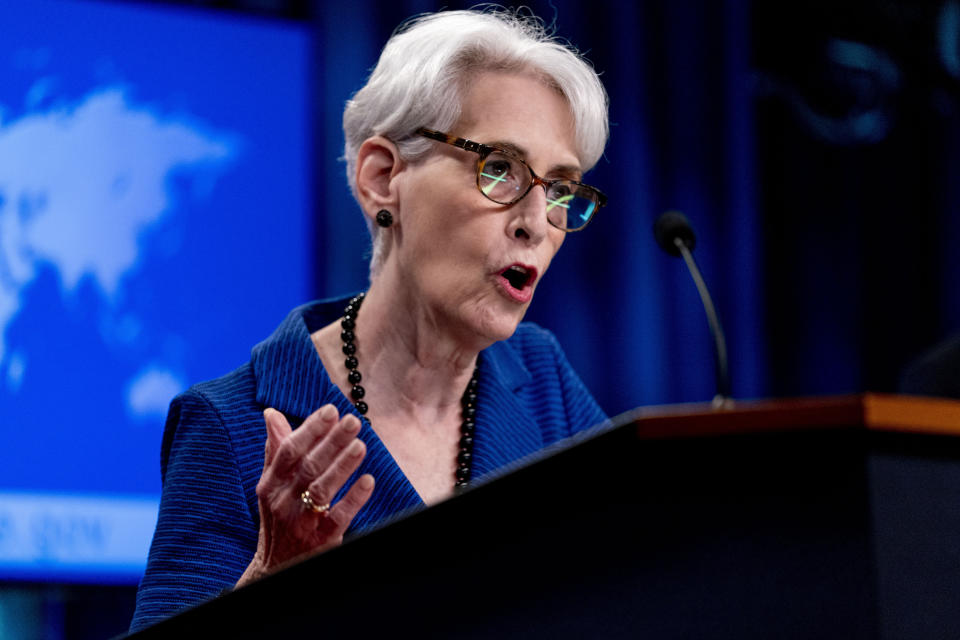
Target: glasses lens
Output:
[
  {"x": 569, "y": 205},
  {"x": 503, "y": 178}
]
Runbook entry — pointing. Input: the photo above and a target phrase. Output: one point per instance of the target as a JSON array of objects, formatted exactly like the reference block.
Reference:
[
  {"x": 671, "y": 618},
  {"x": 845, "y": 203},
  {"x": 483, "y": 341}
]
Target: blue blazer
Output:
[{"x": 213, "y": 447}]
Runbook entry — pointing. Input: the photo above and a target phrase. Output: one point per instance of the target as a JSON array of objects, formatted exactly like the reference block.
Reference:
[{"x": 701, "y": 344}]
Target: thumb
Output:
[{"x": 277, "y": 429}]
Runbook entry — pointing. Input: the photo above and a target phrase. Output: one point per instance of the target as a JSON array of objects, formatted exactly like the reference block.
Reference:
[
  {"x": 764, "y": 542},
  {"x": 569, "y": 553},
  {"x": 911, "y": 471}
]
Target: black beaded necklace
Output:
[{"x": 468, "y": 402}]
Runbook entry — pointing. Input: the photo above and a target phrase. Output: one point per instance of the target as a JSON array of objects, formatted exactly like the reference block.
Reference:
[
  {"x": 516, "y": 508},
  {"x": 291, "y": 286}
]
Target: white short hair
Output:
[{"x": 425, "y": 66}]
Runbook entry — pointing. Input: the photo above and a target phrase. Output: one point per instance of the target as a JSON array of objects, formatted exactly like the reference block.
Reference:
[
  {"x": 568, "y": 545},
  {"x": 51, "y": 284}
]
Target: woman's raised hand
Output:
[{"x": 318, "y": 457}]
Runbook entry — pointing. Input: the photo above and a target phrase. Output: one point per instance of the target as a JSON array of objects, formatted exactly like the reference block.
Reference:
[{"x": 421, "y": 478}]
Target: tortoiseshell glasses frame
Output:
[{"x": 505, "y": 178}]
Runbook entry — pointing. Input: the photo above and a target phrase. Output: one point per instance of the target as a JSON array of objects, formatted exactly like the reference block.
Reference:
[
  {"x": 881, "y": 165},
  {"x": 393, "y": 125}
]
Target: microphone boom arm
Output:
[{"x": 723, "y": 373}]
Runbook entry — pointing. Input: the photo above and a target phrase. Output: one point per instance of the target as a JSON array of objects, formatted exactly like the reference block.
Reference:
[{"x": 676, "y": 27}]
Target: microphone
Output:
[{"x": 675, "y": 236}]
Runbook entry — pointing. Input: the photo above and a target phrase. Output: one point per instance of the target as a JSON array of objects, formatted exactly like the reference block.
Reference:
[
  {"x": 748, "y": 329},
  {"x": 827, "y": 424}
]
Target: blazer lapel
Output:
[{"x": 506, "y": 428}]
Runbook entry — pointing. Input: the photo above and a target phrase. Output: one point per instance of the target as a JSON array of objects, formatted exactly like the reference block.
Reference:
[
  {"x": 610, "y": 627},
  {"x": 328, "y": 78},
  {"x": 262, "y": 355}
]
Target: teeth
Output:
[{"x": 519, "y": 269}]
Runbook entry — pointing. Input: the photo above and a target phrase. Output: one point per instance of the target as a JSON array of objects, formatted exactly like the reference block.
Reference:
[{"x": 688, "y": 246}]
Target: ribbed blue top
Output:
[{"x": 212, "y": 452}]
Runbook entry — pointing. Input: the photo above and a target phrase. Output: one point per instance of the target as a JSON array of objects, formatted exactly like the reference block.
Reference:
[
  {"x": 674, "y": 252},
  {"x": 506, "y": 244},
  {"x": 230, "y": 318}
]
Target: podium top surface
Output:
[{"x": 871, "y": 411}]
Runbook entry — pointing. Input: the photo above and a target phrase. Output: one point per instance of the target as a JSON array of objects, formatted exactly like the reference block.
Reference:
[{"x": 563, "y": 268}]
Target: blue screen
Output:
[{"x": 154, "y": 225}]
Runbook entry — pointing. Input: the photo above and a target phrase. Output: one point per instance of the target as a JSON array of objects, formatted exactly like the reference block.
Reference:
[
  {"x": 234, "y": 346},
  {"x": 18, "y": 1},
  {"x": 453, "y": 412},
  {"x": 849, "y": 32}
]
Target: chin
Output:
[{"x": 494, "y": 323}]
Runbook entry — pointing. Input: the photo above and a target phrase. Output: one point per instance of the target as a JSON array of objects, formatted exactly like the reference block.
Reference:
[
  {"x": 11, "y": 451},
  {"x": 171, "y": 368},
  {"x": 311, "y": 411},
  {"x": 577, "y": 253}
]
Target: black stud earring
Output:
[{"x": 384, "y": 218}]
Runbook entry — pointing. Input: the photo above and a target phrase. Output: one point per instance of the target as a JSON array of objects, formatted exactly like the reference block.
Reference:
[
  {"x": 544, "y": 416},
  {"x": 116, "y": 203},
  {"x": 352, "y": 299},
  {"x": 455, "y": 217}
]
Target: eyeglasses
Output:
[{"x": 505, "y": 179}]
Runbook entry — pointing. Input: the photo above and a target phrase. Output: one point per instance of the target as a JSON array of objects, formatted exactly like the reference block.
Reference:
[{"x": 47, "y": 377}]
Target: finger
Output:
[
  {"x": 325, "y": 453},
  {"x": 277, "y": 429},
  {"x": 297, "y": 444},
  {"x": 343, "y": 513},
  {"x": 325, "y": 487},
  {"x": 317, "y": 424}
]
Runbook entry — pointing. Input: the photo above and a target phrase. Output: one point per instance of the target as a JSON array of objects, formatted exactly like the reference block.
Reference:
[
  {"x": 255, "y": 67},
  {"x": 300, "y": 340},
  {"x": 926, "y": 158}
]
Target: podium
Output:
[{"x": 811, "y": 518}]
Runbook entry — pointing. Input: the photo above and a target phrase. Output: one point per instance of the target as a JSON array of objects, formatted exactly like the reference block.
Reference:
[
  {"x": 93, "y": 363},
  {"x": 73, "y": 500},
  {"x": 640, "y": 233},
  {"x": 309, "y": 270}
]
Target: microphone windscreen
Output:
[{"x": 671, "y": 225}]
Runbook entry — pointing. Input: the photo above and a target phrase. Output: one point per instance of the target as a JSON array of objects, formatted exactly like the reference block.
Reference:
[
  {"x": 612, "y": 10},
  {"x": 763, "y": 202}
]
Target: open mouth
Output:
[{"x": 519, "y": 276}]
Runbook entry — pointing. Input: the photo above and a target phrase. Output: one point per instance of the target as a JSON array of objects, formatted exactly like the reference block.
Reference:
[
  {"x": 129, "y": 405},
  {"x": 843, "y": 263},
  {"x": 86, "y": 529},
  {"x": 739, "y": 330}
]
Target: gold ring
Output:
[{"x": 311, "y": 504}]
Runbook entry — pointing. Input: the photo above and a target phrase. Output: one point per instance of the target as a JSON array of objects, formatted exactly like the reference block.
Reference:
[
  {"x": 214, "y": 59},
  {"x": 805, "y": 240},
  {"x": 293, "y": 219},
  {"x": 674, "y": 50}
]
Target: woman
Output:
[{"x": 464, "y": 151}]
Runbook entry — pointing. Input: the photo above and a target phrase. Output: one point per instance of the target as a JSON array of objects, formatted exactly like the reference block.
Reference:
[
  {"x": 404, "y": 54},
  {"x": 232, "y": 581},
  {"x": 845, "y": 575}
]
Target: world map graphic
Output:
[
  {"x": 79, "y": 185},
  {"x": 155, "y": 224}
]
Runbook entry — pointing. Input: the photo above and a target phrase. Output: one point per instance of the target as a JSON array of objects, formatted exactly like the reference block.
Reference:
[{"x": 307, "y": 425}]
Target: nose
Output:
[{"x": 528, "y": 219}]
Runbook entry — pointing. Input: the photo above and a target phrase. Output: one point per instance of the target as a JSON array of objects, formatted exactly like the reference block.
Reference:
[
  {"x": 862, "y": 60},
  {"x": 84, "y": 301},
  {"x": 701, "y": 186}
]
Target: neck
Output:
[
  {"x": 428, "y": 413},
  {"x": 410, "y": 358}
]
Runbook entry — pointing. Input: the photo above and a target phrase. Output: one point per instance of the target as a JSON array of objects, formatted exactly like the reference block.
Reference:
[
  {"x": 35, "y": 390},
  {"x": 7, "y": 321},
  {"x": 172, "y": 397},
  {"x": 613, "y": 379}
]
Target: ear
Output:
[{"x": 378, "y": 163}]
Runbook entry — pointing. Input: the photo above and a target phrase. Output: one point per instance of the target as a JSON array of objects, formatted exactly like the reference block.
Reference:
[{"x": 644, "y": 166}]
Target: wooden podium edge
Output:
[
  {"x": 873, "y": 411},
  {"x": 912, "y": 414}
]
